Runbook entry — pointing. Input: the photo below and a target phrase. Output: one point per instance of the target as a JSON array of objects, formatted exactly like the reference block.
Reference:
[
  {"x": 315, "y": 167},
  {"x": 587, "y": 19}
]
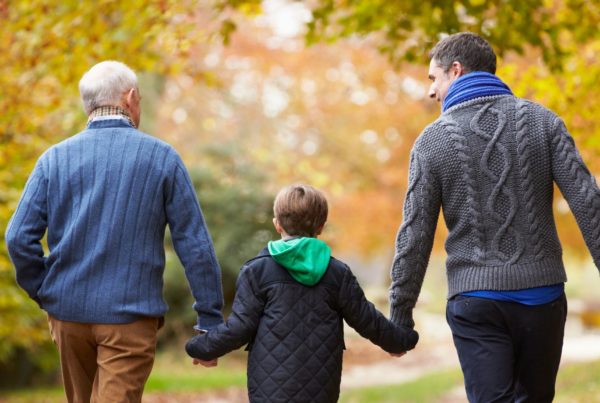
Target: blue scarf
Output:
[{"x": 474, "y": 85}]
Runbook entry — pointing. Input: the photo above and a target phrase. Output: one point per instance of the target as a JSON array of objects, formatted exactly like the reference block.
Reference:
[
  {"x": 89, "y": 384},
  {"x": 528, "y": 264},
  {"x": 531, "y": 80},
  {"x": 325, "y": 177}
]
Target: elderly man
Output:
[
  {"x": 104, "y": 196},
  {"x": 491, "y": 160}
]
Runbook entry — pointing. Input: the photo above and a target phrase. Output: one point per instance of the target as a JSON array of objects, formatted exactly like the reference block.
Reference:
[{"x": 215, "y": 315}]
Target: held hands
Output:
[
  {"x": 196, "y": 361},
  {"x": 207, "y": 364}
]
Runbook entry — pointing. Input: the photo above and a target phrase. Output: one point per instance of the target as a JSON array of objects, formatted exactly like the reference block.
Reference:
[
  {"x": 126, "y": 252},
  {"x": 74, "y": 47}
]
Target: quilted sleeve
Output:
[
  {"x": 369, "y": 322},
  {"x": 239, "y": 328}
]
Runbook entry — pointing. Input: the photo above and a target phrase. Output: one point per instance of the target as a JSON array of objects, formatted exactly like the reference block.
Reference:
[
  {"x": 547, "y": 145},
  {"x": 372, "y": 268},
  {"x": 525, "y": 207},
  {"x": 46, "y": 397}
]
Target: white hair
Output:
[{"x": 104, "y": 84}]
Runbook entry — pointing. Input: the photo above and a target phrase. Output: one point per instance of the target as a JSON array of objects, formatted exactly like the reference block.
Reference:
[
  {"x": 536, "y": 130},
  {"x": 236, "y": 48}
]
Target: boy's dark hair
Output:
[
  {"x": 301, "y": 210},
  {"x": 467, "y": 48}
]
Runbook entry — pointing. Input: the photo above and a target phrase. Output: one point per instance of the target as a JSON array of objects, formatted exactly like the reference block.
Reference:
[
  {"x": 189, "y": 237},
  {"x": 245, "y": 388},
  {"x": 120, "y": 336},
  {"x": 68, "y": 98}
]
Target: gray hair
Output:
[{"x": 104, "y": 84}]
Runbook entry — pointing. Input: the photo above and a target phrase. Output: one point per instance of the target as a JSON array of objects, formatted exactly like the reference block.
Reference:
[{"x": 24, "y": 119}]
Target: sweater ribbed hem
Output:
[
  {"x": 207, "y": 322},
  {"x": 505, "y": 278},
  {"x": 111, "y": 319}
]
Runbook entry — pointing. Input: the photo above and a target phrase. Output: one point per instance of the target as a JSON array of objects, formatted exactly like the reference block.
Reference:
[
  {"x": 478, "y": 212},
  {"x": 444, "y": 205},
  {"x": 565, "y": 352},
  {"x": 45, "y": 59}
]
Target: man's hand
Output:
[
  {"x": 398, "y": 355},
  {"x": 207, "y": 364}
]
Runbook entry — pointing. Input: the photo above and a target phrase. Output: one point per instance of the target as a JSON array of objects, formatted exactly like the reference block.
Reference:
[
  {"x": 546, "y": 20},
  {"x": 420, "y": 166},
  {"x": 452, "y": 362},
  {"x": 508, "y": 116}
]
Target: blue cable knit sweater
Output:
[
  {"x": 490, "y": 164},
  {"x": 105, "y": 197}
]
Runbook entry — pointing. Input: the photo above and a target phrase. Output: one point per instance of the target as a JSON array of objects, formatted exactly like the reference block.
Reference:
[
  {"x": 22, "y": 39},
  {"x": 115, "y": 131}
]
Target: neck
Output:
[{"x": 111, "y": 110}]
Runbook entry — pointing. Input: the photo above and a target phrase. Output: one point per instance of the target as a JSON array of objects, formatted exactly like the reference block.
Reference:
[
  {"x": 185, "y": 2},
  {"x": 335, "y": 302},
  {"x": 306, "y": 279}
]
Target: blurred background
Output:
[{"x": 258, "y": 94}]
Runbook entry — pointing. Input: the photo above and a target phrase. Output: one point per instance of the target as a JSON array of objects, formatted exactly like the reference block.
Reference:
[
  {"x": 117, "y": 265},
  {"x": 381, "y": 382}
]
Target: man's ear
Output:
[
  {"x": 126, "y": 99},
  {"x": 130, "y": 97},
  {"x": 457, "y": 69}
]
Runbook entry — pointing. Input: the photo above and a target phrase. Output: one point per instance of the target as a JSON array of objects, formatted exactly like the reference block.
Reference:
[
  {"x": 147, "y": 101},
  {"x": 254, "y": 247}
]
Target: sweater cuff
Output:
[
  {"x": 402, "y": 317},
  {"x": 207, "y": 322}
]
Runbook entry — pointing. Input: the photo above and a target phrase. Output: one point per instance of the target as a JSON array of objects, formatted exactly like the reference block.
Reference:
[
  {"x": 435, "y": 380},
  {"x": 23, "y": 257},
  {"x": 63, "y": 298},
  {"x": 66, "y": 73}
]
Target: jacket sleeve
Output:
[
  {"x": 240, "y": 327},
  {"x": 362, "y": 316},
  {"x": 194, "y": 246},
  {"x": 415, "y": 239},
  {"x": 25, "y": 231},
  {"x": 578, "y": 186}
]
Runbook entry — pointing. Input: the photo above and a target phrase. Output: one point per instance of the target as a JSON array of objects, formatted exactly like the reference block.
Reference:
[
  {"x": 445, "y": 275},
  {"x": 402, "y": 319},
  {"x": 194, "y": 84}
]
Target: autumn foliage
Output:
[{"x": 265, "y": 109}]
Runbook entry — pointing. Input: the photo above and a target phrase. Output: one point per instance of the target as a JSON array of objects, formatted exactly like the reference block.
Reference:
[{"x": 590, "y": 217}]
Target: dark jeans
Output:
[{"x": 508, "y": 352}]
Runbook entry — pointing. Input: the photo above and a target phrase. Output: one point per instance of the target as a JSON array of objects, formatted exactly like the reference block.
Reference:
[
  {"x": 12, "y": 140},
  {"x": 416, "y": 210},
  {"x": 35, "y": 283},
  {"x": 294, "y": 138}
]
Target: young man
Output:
[
  {"x": 491, "y": 160},
  {"x": 290, "y": 304},
  {"x": 104, "y": 197}
]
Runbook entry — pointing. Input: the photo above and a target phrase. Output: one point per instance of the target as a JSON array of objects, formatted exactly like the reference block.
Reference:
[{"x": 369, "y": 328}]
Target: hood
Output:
[{"x": 306, "y": 259}]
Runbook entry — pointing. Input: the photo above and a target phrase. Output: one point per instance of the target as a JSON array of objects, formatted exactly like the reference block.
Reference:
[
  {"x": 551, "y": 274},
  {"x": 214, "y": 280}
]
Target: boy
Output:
[{"x": 289, "y": 306}]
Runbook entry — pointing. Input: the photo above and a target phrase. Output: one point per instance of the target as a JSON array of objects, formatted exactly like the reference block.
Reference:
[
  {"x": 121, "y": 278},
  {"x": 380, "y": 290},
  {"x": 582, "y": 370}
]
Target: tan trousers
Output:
[{"x": 105, "y": 362}]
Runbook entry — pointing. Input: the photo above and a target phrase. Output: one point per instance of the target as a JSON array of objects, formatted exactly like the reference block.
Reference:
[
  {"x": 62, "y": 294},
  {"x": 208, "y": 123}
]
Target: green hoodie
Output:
[{"x": 306, "y": 259}]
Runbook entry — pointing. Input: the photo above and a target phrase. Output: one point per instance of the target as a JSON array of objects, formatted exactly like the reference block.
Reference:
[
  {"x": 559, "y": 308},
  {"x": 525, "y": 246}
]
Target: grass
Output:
[
  {"x": 41, "y": 395},
  {"x": 576, "y": 383},
  {"x": 174, "y": 373},
  {"x": 428, "y": 388},
  {"x": 579, "y": 383}
]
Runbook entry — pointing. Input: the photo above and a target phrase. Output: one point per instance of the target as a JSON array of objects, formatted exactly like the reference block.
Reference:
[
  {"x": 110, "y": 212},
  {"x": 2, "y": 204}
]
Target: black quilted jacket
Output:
[{"x": 295, "y": 333}]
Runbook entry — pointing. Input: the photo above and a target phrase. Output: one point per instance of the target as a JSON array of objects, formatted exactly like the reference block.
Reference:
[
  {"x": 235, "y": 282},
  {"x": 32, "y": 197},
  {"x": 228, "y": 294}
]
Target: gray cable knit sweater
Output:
[{"x": 490, "y": 164}]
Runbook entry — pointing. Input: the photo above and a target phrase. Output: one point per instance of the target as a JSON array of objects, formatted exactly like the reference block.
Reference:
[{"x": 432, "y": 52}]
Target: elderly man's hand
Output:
[{"x": 207, "y": 364}]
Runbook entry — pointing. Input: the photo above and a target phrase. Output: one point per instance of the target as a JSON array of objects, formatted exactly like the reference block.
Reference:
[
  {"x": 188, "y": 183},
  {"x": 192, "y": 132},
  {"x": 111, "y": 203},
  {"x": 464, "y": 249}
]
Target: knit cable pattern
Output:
[
  {"x": 464, "y": 153},
  {"x": 491, "y": 162},
  {"x": 524, "y": 152},
  {"x": 406, "y": 241},
  {"x": 565, "y": 149},
  {"x": 412, "y": 248},
  {"x": 494, "y": 146}
]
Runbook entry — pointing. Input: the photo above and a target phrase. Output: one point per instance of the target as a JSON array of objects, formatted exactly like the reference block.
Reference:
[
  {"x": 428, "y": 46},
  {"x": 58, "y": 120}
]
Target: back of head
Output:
[
  {"x": 472, "y": 51},
  {"x": 301, "y": 210},
  {"x": 104, "y": 84}
]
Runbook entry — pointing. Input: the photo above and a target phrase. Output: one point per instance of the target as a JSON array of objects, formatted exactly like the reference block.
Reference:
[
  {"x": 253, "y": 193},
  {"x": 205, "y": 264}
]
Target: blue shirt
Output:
[{"x": 528, "y": 296}]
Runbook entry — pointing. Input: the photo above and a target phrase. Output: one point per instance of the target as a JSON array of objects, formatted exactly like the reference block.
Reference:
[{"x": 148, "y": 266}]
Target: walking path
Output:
[
  {"x": 366, "y": 365},
  {"x": 435, "y": 352}
]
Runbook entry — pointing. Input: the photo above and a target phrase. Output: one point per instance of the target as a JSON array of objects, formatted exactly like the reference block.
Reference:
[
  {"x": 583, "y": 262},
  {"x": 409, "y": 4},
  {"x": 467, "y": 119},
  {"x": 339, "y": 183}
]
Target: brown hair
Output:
[
  {"x": 467, "y": 48},
  {"x": 301, "y": 210}
]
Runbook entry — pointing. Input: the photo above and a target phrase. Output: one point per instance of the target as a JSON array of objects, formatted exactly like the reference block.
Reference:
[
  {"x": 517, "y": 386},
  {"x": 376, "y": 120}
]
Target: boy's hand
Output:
[
  {"x": 398, "y": 355},
  {"x": 207, "y": 364}
]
